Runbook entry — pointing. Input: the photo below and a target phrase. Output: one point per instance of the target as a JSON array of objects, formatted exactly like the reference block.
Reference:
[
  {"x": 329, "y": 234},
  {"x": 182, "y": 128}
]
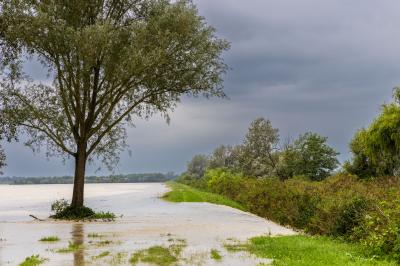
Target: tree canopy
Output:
[
  {"x": 110, "y": 62},
  {"x": 309, "y": 155},
  {"x": 376, "y": 149}
]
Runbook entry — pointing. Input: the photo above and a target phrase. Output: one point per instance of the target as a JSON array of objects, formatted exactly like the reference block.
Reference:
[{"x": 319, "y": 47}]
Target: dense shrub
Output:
[
  {"x": 63, "y": 211},
  {"x": 342, "y": 205},
  {"x": 380, "y": 229}
]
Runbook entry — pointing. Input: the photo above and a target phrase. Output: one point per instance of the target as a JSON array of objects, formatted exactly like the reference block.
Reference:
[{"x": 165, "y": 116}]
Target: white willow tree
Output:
[{"x": 112, "y": 61}]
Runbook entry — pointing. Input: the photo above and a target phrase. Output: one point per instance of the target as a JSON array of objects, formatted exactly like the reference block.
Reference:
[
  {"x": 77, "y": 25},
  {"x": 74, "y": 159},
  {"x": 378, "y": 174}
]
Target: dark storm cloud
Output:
[{"x": 308, "y": 65}]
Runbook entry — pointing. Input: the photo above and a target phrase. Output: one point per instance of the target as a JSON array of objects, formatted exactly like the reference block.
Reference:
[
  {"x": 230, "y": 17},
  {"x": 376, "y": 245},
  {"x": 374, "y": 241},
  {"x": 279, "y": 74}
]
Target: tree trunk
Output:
[{"x": 79, "y": 179}]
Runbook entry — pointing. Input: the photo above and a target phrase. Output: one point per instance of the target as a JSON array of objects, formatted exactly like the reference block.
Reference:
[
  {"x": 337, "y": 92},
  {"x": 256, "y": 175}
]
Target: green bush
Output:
[
  {"x": 63, "y": 211},
  {"x": 224, "y": 182},
  {"x": 379, "y": 232}
]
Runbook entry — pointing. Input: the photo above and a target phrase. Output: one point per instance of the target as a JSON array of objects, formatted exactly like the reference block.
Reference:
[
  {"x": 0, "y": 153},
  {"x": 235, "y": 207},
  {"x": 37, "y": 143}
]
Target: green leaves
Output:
[
  {"x": 376, "y": 149},
  {"x": 309, "y": 155},
  {"x": 111, "y": 62}
]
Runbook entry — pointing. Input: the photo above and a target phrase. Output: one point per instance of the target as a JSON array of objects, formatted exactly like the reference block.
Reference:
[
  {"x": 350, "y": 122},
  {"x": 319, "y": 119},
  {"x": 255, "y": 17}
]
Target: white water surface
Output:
[{"x": 146, "y": 221}]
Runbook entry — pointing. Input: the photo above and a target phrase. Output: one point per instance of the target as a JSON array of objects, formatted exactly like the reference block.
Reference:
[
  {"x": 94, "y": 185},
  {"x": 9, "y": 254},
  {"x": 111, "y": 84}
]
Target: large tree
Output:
[{"x": 111, "y": 61}]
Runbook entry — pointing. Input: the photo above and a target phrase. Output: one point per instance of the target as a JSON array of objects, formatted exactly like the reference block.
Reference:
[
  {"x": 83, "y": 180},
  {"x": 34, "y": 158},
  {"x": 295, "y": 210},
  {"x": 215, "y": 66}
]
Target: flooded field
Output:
[{"x": 189, "y": 230}]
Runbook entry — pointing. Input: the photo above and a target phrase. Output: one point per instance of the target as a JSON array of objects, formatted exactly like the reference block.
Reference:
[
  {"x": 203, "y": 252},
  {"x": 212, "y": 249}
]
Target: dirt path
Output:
[{"x": 147, "y": 221}]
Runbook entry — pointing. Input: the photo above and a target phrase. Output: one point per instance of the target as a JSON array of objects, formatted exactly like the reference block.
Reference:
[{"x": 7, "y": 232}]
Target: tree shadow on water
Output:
[{"x": 78, "y": 235}]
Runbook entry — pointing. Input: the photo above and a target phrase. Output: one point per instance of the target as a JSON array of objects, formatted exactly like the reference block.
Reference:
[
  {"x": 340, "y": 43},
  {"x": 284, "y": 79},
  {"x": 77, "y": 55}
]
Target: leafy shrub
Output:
[
  {"x": 59, "y": 206},
  {"x": 62, "y": 210},
  {"x": 74, "y": 213},
  {"x": 380, "y": 230},
  {"x": 367, "y": 211},
  {"x": 224, "y": 182}
]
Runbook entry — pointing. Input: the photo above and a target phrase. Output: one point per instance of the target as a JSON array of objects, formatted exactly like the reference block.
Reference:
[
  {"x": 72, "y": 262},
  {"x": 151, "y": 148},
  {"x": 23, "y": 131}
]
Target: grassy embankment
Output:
[
  {"x": 287, "y": 250},
  {"x": 184, "y": 193}
]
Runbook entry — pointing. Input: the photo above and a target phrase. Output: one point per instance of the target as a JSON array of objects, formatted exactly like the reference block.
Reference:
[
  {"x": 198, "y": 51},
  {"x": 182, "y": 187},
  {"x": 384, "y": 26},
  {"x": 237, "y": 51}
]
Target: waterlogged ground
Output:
[{"x": 186, "y": 231}]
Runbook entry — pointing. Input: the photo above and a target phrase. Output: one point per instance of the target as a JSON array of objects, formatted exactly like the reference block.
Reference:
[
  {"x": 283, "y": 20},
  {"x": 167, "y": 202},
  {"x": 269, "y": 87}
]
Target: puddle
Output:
[{"x": 147, "y": 221}]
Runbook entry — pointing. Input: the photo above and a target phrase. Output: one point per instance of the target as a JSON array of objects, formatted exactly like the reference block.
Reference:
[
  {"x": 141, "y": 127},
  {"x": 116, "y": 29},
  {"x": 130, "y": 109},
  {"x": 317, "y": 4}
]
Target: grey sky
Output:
[{"x": 307, "y": 65}]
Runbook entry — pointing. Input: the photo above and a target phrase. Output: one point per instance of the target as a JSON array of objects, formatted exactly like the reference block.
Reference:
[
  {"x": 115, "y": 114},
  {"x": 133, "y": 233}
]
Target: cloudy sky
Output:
[{"x": 307, "y": 65}]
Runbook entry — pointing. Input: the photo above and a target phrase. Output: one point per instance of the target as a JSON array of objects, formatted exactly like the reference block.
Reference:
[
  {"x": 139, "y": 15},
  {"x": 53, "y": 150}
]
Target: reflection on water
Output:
[{"x": 78, "y": 236}]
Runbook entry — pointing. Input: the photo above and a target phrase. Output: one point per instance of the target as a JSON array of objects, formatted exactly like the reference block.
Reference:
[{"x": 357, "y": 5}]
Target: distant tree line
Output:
[
  {"x": 261, "y": 154},
  {"x": 130, "y": 178}
]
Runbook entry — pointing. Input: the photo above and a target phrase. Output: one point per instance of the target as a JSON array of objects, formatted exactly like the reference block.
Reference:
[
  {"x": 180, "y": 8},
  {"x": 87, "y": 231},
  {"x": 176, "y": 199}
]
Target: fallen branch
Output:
[{"x": 34, "y": 217}]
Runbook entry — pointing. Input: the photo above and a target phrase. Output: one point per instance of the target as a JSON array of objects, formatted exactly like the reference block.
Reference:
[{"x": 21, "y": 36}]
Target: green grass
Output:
[
  {"x": 72, "y": 247},
  {"x": 119, "y": 258},
  {"x": 184, "y": 193},
  {"x": 156, "y": 255},
  {"x": 106, "y": 216},
  {"x": 50, "y": 239},
  {"x": 33, "y": 260},
  {"x": 215, "y": 254},
  {"x": 305, "y": 251},
  {"x": 101, "y": 255}
]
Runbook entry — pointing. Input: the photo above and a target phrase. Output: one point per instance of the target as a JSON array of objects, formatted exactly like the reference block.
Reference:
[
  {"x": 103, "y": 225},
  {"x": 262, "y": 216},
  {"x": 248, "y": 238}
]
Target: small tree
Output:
[
  {"x": 197, "y": 166},
  {"x": 225, "y": 157},
  {"x": 112, "y": 61},
  {"x": 309, "y": 155},
  {"x": 258, "y": 152}
]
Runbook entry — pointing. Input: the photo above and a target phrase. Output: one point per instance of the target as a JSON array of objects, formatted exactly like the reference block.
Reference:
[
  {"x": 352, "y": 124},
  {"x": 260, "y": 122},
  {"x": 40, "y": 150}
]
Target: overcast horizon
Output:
[{"x": 308, "y": 65}]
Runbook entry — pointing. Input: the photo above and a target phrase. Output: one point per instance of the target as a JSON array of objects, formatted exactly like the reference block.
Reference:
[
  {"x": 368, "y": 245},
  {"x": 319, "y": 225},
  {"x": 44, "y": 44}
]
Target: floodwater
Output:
[{"x": 146, "y": 221}]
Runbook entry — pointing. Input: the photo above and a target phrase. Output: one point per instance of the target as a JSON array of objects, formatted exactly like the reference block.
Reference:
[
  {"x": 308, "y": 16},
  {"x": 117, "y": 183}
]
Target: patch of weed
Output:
[
  {"x": 215, "y": 255},
  {"x": 33, "y": 260},
  {"x": 156, "y": 255},
  {"x": 101, "y": 255},
  {"x": 119, "y": 258},
  {"x": 50, "y": 239},
  {"x": 72, "y": 247}
]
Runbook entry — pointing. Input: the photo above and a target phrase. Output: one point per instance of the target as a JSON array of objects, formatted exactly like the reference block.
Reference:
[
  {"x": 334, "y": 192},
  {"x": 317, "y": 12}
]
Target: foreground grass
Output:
[
  {"x": 184, "y": 193},
  {"x": 306, "y": 250}
]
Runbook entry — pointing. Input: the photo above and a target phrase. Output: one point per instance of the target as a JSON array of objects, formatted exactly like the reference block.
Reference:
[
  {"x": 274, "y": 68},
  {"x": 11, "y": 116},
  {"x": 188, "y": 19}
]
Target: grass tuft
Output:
[
  {"x": 33, "y": 260},
  {"x": 119, "y": 258},
  {"x": 50, "y": 239},
  {"x": 101, "y": 255},
  {"x": 184, "y": 193},
  {"x": 72, "y": 247},
  {"x": 156, "y": 255},
  {"x": 215, "y": 255}
]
